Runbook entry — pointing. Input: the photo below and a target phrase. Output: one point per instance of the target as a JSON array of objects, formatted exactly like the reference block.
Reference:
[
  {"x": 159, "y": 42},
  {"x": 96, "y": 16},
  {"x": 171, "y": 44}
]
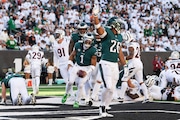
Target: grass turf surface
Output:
[{"x": 45, "y": 90}]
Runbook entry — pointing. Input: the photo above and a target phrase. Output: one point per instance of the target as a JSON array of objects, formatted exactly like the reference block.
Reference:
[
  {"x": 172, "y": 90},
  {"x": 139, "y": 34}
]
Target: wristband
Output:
[{"x": 97, "y": 26}]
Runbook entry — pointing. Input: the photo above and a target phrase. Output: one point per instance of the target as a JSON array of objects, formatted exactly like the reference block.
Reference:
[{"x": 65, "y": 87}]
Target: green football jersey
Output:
[
  {"x": 76, "y": 37},
  {"x": 8, "y": 77},
  {"x": 83, "y": 57},
  {"x": 110, "y": 46},
  {"x": 98, "y": 46}
]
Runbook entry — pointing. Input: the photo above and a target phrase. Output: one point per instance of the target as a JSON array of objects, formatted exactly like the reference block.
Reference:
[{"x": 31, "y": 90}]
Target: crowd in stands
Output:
[{"x": 23, "y": 23}]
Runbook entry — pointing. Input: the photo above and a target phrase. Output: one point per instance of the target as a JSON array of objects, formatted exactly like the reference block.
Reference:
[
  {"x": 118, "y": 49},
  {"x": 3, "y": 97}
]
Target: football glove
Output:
[
  {"x": 81, "y": 73},
  {"x": 95, "y": 10}
]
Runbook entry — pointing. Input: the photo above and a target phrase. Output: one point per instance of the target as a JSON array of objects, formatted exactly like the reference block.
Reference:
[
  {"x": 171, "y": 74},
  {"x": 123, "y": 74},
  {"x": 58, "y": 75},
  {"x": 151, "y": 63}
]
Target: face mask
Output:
[{"x": 86, "y": 46}]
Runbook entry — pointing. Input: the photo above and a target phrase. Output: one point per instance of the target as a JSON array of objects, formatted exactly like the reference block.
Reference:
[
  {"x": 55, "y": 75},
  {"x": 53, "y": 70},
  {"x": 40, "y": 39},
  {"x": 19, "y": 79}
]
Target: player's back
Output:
[
  {"x": 173, "y": 64},
  {"x": 36, "y": 57}
]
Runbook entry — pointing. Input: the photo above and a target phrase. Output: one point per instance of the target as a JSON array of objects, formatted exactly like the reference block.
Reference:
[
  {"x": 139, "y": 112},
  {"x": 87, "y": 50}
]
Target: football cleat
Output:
[
  {"x": 19, "y": 99},
  {"x": 146, "y": 101},
  {"x": 76, "y": 104},
  {"x": 64, "y": 98},
  {"x": 33, "y": 98},
  {"x": 3, "y": 102}
]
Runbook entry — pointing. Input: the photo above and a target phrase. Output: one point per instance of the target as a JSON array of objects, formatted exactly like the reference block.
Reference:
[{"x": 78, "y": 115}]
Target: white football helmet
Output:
[
  {"x": 151, "y": 80},
  {"x": 59, "y": 34},
  {"x": 87, "y": 37},
  {"x": 35, "y": 48},
  {"x": 174, "y": 55}
]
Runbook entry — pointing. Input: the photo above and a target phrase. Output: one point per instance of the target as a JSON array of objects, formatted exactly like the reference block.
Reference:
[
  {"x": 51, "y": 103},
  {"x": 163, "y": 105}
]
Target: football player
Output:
[
  {"x": 84, "y": 55},
  {"x": 111, "y": 53},
  {"x": 77, "y": 36},
  {"x": 172, "y": 71},
  {"x": 36, "y": 59},
  {"x": 18, "y": 90},
  {"x": 135, "y": 68},
  {"x": 61, "y": 56}
]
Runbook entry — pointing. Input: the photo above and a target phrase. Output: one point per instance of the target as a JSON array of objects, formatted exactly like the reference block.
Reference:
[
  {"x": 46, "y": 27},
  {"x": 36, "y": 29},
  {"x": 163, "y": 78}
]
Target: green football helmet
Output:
[
  {"x": 82, "y": 28},
  {"x": 116, "y": 23}
]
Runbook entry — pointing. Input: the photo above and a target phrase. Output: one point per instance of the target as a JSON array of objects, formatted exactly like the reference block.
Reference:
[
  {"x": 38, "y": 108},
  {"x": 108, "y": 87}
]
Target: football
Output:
[{"x": 81, "y": 73}]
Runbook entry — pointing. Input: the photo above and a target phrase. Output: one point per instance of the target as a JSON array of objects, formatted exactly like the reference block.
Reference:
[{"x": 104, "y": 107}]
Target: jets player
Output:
[
  {"x": 172, "y": 71},
  {"x": 77, "y": 36},
  {"x": 18, "y": 90},
  {"x": 36, "y": 58},
  {"x": 111, "y": 53},
  {"x": 61, "y": 56},
  {"x": 84, "y": 55},
  {"x": 135, "y": 68}
]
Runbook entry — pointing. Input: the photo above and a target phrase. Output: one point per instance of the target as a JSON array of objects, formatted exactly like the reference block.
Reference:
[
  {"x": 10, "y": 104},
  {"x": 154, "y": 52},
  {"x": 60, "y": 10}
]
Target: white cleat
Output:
[
  {"x": 33, "y": 98},
  {"x": 145, "y": 101},
  {"x": 19, "y": 99}
]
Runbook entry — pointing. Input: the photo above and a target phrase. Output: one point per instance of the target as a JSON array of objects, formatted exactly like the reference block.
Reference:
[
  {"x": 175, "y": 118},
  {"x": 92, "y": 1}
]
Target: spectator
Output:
[
  {"x": 12, "y": 43},
  {"x": 157, "y": 65}
]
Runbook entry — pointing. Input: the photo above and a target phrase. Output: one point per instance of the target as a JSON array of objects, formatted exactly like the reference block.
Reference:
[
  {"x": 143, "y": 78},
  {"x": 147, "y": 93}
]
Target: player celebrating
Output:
[
  {"x": 36, "y": 58},
  {"x": 84, "y": 55},
  {"x": 18, "y": 90},
  {"x": 61, "y": 56},
  {"x": 111, "y": 53}
]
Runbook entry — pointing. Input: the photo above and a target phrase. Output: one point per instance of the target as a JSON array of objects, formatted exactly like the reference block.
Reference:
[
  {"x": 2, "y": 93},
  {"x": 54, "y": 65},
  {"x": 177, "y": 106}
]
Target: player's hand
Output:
[
  {"x": 81, "y": 73},
  {"x": 95, "y": 10}
]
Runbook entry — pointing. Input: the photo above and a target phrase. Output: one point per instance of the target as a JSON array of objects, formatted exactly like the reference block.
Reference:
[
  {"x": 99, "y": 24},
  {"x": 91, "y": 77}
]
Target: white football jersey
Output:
[
  {"x": 61, "y": 52},
  {"x": 35, "y": 57},
  {"x": 136, "y": 47},
  {"x": 173, "y": 64}
]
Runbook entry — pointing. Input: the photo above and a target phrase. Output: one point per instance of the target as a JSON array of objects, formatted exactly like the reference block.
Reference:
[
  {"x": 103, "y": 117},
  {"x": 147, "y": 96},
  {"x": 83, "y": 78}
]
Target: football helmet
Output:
[
  {"x": 151, "y": 80},
  {"x": 59, "y": 34},
  {"x": 174, "y": 55},
  {"x": 82, "y": 28},
  {"x": 116, "y": 23},
  {"x": 35, "y": 48},
  {"x": 87, "y": 40}
]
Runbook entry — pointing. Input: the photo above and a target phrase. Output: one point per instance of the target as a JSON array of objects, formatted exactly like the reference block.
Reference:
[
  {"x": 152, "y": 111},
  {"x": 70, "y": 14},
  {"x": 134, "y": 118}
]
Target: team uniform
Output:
[
  {"x": 18, "y": 91},
  {"x": 83, "y": 58},
  {"x": 36, "y": 59},
  {"x": 135, "y": 68},
  {"x": 108, "y": 67},
  {"x": 95, "y": 79},
  {"x": 172, "y": 72},
  {"x": 61, "y": 56}
]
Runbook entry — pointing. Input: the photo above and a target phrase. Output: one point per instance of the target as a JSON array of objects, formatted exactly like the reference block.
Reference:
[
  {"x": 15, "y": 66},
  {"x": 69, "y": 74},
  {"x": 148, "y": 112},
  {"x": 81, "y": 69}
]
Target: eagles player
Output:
[
  {"x": 77, "y": 36},
  {"x": 111, "y": 53},
  {"x": 18, "y": 90},
  {"x": 84, "y": 55}
]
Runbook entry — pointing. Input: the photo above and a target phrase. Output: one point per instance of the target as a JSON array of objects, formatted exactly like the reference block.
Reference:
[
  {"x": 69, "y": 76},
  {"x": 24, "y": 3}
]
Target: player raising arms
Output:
[
  {"x": 61, "y": 56},
  {"x": 111, "y": 53}
]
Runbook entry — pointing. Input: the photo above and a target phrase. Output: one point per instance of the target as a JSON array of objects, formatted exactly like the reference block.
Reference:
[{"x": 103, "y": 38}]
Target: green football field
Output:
[{"x": 45, "y": 90}]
